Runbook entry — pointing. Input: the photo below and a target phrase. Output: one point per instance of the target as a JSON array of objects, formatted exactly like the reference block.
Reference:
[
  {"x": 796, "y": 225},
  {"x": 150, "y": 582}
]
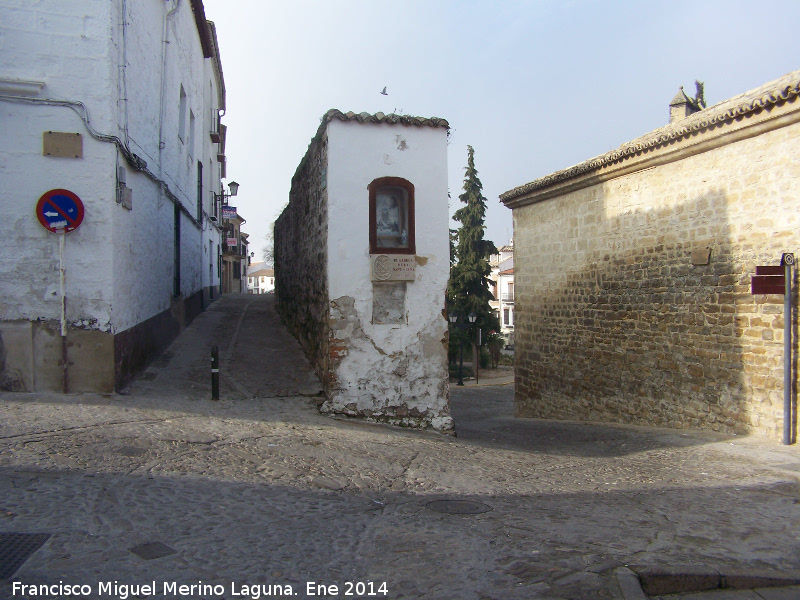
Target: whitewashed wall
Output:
[
  {"x": 56, "y": 43},
  {"x": 119, "y": 262},
  {"x": 401, "y": 367},
  {"x": 148, "y": 227}
]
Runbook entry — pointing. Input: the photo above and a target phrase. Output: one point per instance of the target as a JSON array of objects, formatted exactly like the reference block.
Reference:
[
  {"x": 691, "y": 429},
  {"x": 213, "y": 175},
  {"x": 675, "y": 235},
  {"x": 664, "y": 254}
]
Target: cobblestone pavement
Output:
[{"x": 260, "y": 493}]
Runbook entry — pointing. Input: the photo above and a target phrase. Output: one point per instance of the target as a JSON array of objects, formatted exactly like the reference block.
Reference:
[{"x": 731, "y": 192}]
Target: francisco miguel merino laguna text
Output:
[{"x": 123, "y": 591}]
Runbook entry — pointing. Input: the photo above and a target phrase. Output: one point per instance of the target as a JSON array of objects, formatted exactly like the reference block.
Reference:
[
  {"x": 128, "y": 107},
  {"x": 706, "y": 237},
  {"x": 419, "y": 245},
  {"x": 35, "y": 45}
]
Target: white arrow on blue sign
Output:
[{"x": 59, "y": 210}]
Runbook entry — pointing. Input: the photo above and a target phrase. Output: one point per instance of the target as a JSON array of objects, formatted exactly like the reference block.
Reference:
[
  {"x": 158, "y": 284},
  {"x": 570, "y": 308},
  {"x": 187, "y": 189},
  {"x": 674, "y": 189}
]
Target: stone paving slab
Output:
[
  {"x": 780, "y": 593},
  {"x": 261, "y": 490}
]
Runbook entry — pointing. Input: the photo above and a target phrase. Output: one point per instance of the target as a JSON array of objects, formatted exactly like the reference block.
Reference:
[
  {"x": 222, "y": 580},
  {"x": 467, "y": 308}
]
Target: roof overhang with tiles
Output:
[
  {"x": 768, "y": 107},
  {"x": 378, "y": 118}
]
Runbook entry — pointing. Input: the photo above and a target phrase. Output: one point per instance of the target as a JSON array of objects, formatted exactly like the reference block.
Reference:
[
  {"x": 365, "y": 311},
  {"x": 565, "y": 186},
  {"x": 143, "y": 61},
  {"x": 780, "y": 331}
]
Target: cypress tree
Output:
[{"x": 468, "y": 290}]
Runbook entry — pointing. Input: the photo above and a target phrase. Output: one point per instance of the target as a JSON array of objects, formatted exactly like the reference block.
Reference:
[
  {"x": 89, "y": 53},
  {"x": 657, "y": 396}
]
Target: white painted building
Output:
[
  {"x": 501, "y": 281},
  {"x": 260, "y": 279},
  {"x": 117, "y": 102},
  {"x": 362, "y": 263}
]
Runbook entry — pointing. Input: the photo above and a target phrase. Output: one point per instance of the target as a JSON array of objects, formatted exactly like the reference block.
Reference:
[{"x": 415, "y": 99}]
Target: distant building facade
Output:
[
  {"x": 633, "y": 300},
  {"x": 501, "y": 280},
  {"x": 96, "y": 106},
  {"x": 235, "y": 256},
  {"x": 260, "y": 279},
  {"x": 362, "y": 263}
]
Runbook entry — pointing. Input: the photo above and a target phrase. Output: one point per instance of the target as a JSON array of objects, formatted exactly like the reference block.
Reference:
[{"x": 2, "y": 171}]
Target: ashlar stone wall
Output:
[{"x": 633, "y": 272}]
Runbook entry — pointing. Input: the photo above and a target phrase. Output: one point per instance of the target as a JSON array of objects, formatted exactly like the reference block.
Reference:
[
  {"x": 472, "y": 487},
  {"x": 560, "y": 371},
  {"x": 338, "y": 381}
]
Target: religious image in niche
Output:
[{"x": 388, "y": 215}]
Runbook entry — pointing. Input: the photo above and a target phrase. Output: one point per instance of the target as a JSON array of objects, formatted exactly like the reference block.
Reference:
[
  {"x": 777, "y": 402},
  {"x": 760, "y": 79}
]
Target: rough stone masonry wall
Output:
[
  {"x": 301, "y": 277},
  {"x": 614, "y": 322}
]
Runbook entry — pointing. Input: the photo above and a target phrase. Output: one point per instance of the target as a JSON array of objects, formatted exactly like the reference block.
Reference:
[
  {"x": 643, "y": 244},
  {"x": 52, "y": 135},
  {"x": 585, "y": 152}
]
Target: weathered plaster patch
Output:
[
  {"x": 402, "y": 145},
  {"x": 393, "y": 388},
  {"x": 389, "y": 303}
]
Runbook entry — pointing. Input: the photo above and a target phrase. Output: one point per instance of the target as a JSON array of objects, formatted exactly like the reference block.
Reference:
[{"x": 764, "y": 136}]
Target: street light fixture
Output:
[
  {"x": 222, "y": 198},
  {"x": 453, "y": 318}
]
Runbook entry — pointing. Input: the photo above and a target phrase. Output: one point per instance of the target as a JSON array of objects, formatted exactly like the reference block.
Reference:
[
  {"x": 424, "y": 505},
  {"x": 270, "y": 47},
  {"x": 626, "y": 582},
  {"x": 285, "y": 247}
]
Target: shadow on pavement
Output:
[
  {"x": 232, "y": 533},
  {"x": 484, "y": 415}
]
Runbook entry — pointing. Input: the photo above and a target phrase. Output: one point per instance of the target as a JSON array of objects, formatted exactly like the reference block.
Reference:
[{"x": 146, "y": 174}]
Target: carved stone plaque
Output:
[{"x": 390, "y": 267}]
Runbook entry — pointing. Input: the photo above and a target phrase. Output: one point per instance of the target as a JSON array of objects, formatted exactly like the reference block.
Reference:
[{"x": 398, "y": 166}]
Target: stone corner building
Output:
[
  {"x": 633, "y": 299},
  {"x": 362, "y": 263}
]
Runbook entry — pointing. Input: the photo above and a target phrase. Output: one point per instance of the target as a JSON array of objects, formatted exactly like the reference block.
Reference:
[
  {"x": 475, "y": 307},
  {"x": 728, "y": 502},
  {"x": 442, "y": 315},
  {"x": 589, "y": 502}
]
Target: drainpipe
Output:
[
  {"x": 161, "y": 144},
  {"x": 788, "y": 261}
]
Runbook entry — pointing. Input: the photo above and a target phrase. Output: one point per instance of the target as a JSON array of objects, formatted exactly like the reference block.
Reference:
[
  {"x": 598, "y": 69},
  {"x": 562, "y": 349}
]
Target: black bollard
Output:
[{"x": 214, "y": 373}]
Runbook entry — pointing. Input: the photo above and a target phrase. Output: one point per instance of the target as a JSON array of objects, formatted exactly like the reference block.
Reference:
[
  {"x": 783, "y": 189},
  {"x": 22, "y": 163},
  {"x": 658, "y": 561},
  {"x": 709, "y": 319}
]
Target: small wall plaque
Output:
[
  {"x": 393, "y": 267},
  {"x": 701, "y": 256},
  {"x": 126, "y": 197},
  {"x": 66, "y": 145}
]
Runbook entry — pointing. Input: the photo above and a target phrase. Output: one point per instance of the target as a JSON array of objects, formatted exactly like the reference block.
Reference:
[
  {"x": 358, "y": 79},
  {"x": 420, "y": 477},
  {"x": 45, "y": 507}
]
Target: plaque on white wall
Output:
[
  {"x": 67, "y": 145},
  {"x": 393, "y": 267}
]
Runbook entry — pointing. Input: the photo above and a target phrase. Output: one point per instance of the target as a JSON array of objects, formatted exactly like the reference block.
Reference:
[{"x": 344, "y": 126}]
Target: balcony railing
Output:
[{"x": 508, "y": 297}]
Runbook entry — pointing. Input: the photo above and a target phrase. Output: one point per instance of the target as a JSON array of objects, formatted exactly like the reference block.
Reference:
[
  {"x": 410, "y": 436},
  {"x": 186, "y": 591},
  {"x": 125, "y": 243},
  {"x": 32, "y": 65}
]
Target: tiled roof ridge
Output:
[
  {"x": 379, "y": 117},
  {"x": 365, "y": 117},
  {"x": 778, "y": 91}
]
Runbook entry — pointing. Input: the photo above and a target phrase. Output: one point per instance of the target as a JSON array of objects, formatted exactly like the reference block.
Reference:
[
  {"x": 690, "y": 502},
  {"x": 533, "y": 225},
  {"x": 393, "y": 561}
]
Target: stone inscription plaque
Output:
[{"x": 388, "y": 267}]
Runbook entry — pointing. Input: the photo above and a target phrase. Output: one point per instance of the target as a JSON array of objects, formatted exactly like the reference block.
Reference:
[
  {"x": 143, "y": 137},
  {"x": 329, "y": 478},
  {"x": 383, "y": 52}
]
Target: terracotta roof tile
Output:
[
  {"x": 262, "y": 273},
  {"x": 380, "y": 117},
  {"x": 365, "y": 117},
  {"x": 785, "y": 89}
]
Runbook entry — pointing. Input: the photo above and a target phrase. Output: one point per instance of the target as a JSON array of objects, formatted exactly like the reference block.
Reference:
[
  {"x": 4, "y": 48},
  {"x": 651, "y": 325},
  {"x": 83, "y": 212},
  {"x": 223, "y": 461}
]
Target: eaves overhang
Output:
[
  {"x": 202, "y": 28},
  {"x": 769, "y": 107},
  {"x": 369, "y": 118}
]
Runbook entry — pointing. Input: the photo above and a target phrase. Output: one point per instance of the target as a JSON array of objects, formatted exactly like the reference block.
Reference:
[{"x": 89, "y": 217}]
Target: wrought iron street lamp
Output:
[
  {"x": 222, "y": 198},
  {"x": 454, "y": 319}
]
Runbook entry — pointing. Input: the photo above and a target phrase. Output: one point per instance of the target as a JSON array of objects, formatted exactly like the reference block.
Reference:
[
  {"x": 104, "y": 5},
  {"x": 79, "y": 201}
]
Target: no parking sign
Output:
[{"x": 59, "y": 210}]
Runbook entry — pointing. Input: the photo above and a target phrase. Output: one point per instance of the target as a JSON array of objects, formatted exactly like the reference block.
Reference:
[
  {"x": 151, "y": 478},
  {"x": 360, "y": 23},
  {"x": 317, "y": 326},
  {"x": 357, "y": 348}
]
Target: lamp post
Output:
[
  {"x": 233, "y": 189},
  {"x": 454, "y": 319},
  {"x": 222, "y": 198}
]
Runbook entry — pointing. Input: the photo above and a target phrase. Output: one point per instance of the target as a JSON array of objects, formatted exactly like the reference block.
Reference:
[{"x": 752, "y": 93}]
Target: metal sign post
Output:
[
  {"x": 61, "y": 211},
  {"x": 778, "y": 280},
  {"x": 214, "y": 373},
  {"x": 788, "y": 261}
]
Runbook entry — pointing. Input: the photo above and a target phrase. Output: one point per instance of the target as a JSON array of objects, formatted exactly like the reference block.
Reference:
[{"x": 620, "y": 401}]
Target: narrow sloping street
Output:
[
  {"x": 161, "y": 484},
  {"x": 258, "y": 357}
]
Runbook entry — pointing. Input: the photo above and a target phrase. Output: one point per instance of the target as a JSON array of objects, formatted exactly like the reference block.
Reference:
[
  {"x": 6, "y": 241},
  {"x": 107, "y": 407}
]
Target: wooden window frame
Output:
[{"x": 373, "y": 235}]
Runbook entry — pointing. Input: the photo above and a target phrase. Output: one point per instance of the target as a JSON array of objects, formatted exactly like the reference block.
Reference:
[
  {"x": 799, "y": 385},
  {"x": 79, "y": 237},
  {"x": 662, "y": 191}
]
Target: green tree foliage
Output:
[
  {"x": 468, "y": 290},
  {"x": 700, "y": 95}
]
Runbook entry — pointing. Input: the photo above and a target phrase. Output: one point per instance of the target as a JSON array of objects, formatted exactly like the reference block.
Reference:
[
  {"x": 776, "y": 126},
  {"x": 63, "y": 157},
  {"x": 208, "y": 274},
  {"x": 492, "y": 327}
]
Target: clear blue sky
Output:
[{"x": 533, "y": 86}]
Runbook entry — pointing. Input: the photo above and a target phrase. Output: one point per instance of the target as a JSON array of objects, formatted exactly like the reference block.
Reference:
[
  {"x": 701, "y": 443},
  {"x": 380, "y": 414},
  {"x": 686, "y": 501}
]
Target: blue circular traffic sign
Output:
[{"x": 59, "y": 210}]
